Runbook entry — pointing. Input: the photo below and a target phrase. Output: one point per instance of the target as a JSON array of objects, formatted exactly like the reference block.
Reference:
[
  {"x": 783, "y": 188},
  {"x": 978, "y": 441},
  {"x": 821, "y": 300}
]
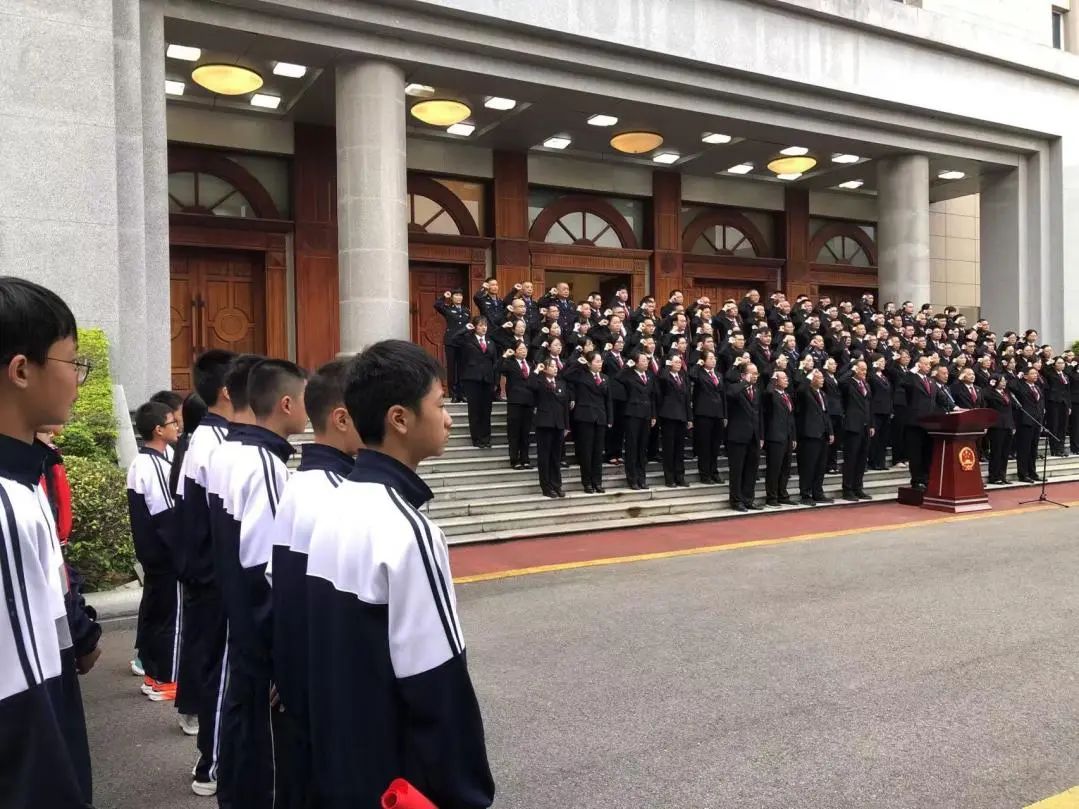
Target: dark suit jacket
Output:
[
  {"x": 833, "y": 395},
  {"x": 709, "y": 398},
  {"x": 811, "y": 415},
  {"x": 857, "y": 406},
  {"x": 552, "y": 403},
  {"x": 477, "y": 365},
  {"x": 1001, "y": 402},
  {"x": 518, "y": 391},
  {"x": 763, "y": 357},
  {"x": 1057, "y": 389},
  {"x": 1032, "y": 400},
  {"x": 744, "y": 422},
  {"x": 962, "y": 396},
  {"x": 883, "y": 396},
  {"x": 640, "y": 396},
  {"x": 592, "y": 402},
  {"x": 674, "y": 398},
  {"x": 612, "y": 368},
  {"x": 921, "y": 402},
  {"x": 779, "y": 416}
]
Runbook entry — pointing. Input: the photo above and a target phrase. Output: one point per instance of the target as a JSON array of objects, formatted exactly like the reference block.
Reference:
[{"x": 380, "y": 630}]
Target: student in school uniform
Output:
[
  {"x": 675, "y": 417},
  {"x": 552, "y": 398},
  {"x": 592, "y": 413},
  {"x": 202, "y": 674},
  {"x": 519, "y": 404},
  {"x": 393, "y": 697},
  {"x": 478, "y": 359},
  {"x": 152, "y": 510},
  {"x": 247, "y": 475},
  {"x": 42, "y": 371},
  {"x": 324, "y": 464},
  {"x": 709, "y": 416}
]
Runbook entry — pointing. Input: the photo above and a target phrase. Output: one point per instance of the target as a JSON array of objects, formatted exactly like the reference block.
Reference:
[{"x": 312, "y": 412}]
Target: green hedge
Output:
[
  {"x": 1075, "y": 346},
  {"x": 100, "y": 545}
]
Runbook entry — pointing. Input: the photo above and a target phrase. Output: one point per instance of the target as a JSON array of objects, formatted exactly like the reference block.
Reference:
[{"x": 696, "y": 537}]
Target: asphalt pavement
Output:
[{"x": 928, "y": 668}]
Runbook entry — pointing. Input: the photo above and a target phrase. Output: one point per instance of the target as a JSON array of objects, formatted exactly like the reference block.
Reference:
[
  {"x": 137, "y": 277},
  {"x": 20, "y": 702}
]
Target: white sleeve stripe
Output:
[
  {"x": 427, "y": 562},
  {"x": 162, "y": 480},
  {"x": 441, "y": 581},
  {"x": 268, "y": 479},
  {"x": 9, "y": 532}
]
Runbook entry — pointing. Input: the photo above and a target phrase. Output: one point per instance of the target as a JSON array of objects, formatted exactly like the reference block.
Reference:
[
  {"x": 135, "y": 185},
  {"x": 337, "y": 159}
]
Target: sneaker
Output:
[
  {"x": 205, "y": 789},
  {"x": 136, "y": 668},
  {"x": 148, "y": 685},
  {"x": 189, "y": 724},
  {"x": 163, "y": 692}
]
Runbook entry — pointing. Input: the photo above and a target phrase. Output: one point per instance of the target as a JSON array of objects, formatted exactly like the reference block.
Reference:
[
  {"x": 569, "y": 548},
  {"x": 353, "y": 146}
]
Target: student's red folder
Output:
[{"x": 402, "y": 795}]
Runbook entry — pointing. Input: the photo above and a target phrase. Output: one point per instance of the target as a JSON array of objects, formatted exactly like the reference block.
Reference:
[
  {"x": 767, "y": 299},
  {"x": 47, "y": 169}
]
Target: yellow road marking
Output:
[
  {"x": 1065, "y": 800},
  {"x": 753, "y": 543}
]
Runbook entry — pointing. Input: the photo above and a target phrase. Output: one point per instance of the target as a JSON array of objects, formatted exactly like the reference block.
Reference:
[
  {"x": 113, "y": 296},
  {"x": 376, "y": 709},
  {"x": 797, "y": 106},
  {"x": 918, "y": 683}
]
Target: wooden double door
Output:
[
  {"x": 217, "y": 301},
  {"x": 427, "y": 283}
]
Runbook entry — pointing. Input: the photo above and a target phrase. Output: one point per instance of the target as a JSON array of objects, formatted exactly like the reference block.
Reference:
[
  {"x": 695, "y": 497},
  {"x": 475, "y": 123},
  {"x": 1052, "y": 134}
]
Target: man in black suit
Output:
[
  {"x": 964, "y": 393},
  {"x": 857, "y": 431},
  {"x": 996, "y": 397},
  {"x": 552, "y": 421},
  {"x": 478, "y": 360},
  {"x": 519, "y": 404},
  {"x": 456, "y": 316},
  {"x": 1031, "y": 398},
  {"x": 745, "y": 434},
  {"x": 779, "y": 440},
  {"x": 882, "y": 405},
  {"x": 640, "y": 410},
  {"x": 921, "y": 398},
  {"x": 814, "y": 430},
  {"x": 709, "y": 416}
]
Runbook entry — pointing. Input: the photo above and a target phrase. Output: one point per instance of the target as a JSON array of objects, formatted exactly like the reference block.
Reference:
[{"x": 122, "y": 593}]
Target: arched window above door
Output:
[
  {"x": 203, "y": 193},
  {"x": 724, "y": 232},
  {"x": 433, "y": 207},
  {"x": 583, "y": 221},
  {"x": 205, "y": 182},
  {"x": 843, "y": 243}
]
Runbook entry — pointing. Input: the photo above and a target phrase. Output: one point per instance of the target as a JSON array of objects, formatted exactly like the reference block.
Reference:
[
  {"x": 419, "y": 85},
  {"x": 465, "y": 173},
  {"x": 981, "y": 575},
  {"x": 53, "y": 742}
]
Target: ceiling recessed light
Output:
[
  {"x": 790, "y": 175},
  {"x": 851, "y": 184},
  {"x": 637, "y": 142},
  {"x": 715, "y": 137},
  {"x": 741, "y": 168},
  {"x": 419, "y": 90},
  {"x": 265, "y": 101},
  {"x": 791, "y": 165},
  {"x": 184, "y": 52},
  {"x": 174, "y": 88},
  {"x": 602, "y": 120},
  {"x": 227, "y": 80},
  {"x": 461, "y": 129},
  {"x": 289, "y": 70},
  {"x": 557, "y": 142},
  {"x": 794, "y": 151},
  {"x": 440, "y": 111},
  {"x": 951, "y": 174},
  {"x": 666, "y": 158},
  {"x": 498, "y": 103},
  {"x": 845, "y": 158}
]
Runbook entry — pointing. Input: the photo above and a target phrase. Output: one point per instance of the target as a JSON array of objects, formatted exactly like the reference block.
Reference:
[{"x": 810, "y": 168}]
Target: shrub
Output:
[
  {"x": 100, "y": 545},
  {"x": 91, "y": 432},
  {"x": 1075, "y": 346}
]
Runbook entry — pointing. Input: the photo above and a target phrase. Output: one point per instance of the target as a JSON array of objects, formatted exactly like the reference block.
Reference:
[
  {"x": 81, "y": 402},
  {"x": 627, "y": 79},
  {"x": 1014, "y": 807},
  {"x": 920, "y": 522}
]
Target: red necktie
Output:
[
  {"x": 1034, "y": 390},
  {"x": 861, "y": 387},
  {"x": 559, "y": 364},
  {"x": 712, "y": 375},
  {"x": 926, "y": 383},
  {"x": 973, "y": 396},
  {"x": 644, "y": 377},
  {"x": 786, "y": 400},
  {"x": 820, "y": 399},
  {"x": 483, "y": 344},
  {"x": 598, "y": 380},
  {"x": 524, "y": 369},
  {"x": 749, "y": 392}
]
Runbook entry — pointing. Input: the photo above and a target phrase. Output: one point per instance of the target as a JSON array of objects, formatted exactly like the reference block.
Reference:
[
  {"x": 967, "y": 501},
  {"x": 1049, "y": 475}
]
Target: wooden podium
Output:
[{"x": 955, "y": 478}]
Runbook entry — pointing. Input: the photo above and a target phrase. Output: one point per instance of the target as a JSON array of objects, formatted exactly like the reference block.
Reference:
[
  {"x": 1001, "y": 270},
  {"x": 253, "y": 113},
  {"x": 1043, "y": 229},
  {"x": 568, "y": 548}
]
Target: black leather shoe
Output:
[
  {"x": 806, "y": 501},
  {"x": 599, "y": 490},
  {"x": 863, "y": 496},
  {"x": 1022, "y": 479},
  {"x": 550, "y": 494},
  {"x": 739, "y": 507},
  {"x": 825, "y": 500},
  {"x": 719, "y": 479},
  {"x": 670, "y": 485},
  {"x": 559, "y": 493},
  {"x": 754, "y": 506},
  {"x": 846, "y": 495},
  {"x": 682, "y": 484},
  {"x": 918, "y": 487},
  {"x": 771, "y": 503},
  {"x": 1036, "y": 479},
  {"x": 786, "y": 501},
  {"x": 589, "y": 490}
]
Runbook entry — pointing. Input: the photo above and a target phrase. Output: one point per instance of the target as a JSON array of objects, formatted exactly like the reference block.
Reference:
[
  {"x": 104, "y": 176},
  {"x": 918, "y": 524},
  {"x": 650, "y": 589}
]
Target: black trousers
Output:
[
  {"x": 812, "y": 464},
  {"x": 653, "y": 442},
  {"x": 200, "y": 617},
  {"x": 453, "y": 370},
  {"x": 612, "y": 447},
  {"x": 548, "y": 456},
  {"x": 919, "y": 453},
  {"x": 855, "y": 457},
  {"x": 878, "y": 444},
  {"x": 590, "y": 439},
  {"x": 1073, "y": 428},
  {"x": 743, "y": 459},
  {"x": 833, "y": 448},
  {"x": 246, "y": 765},
  {"x": 158, "y": 634},
  {"x": 899, "y": 435},
  {"x": 636, "y": 457},
  {"x": 65, "y": 694},
  {"x": 674, "y": 450},
  {"x": 213, "y": 687},
  {"x": 777, "y": 459},
  {"x": 479, "y": 397},
  {"x": 518, "y": 431},
  {"x": 707, "y": 437},
  {"x": 1056, "y": 421},
  {"x": 1000, "y": 445},
  {"x": 1026, "y": 450}
]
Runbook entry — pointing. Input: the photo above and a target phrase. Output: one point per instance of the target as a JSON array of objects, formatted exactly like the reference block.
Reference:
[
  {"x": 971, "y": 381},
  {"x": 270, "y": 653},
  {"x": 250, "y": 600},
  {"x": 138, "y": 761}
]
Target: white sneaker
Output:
[
  {"x": 205, "y": 789},
  {"x": 189, "y": 723},
  {"x": 137, "y": 669}
]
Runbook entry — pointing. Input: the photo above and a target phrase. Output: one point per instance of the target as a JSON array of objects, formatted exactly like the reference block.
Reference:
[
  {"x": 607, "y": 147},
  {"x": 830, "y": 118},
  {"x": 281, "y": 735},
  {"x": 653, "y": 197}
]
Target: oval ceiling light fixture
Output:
[
  {"x": 227, "y": 80},
  {"x": 636, "y": 142},
  {"x": 440, "y": 111},
  {"x": 792, "y": 165}
]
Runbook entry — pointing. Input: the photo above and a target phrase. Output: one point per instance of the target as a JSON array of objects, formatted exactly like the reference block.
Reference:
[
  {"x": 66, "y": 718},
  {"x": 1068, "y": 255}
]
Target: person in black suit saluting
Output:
[
  {"x": 640, "y": 389},
  {"x": 1029, "y": 395},
  {"x": 745, "y": 433},
  {"x": 709, "y": 416},
  {"x": 612, "y": 367},
  {"x": 478, "y": 358},
  {"x": 814, "y": 428},
  {"x": 552, "y": 423},
  {"x": 921, "y": 401},
  {"x": 519, "y": 403},
  {"x": 857, "y": 431},
  {"x": 883, "y": 403},
  {"x": 779, "y": 440},
  {"x": 675, "y": 417},
  {"x": 456, "y": 316},
  {"x": 592, "y": 414},
  {"x": 996, "y": 397}
]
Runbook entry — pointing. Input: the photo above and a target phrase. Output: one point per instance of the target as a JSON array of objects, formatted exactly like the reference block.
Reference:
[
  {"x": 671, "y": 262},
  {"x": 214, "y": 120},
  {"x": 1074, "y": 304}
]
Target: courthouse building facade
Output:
[{"x": 302, "y": 177}]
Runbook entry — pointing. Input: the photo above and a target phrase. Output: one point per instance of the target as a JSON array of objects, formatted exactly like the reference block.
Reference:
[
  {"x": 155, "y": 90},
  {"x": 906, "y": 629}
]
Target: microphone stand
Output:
[{"x": 1043, "y": 497}]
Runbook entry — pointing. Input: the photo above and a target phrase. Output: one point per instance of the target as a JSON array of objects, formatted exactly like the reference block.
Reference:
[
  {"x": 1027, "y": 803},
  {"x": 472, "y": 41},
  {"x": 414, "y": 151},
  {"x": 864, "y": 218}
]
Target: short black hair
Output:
[
  {"x": 208, "y": 374},
  {"x": 168, "y": 397},
  {"x": 149, "y": 417},
  {"x": 268, "y": 381},
  {"x": 326, "y": 391},
  {"x": 236, "y": 377},
  {"x": 32, "y": 318},
  {"x": 193, "y": 410},
  {"x": 387, "y": 373}
]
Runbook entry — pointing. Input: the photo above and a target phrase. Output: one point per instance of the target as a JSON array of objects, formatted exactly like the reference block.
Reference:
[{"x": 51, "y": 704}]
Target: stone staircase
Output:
[{"x": 478, "y": 498}]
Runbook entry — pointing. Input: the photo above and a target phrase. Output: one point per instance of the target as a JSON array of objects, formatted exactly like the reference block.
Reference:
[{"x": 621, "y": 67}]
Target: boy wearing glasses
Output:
[
  {"x": 39, "y": 377},
  {"x": 152, "y": 508}
]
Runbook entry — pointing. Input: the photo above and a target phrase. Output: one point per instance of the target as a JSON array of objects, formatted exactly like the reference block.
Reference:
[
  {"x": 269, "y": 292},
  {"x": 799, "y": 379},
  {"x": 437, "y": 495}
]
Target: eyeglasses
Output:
[
  {"x": 173, "y": 423},
  {"x": 82, "y": 365}
]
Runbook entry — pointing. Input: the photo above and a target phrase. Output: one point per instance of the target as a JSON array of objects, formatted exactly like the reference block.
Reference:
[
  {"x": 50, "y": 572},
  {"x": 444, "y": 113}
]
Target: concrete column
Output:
[
  {"x": 155, "y": 170},
  {"x": 903, "y": 229},
  {"x": 372, "y": 213}
]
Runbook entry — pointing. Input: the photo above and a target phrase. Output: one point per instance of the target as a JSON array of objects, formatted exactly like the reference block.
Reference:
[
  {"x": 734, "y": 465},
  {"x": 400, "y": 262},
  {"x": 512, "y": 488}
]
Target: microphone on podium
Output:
[{"x": 402, "y": 795}]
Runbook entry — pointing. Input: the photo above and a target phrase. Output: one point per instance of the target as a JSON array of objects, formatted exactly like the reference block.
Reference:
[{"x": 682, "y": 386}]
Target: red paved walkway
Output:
[{"x": 472, "y": 560}]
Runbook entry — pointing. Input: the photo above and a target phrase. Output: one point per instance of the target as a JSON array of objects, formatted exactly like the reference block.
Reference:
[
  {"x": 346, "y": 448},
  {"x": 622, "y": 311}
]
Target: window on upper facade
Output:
[
  {"x": 843, "y": 250},
  {"x": 428, "y": 216},
  {"x": 1058, "y": 29},
  {"x": 724, "y": 240},
  {"x": 197, "y": 192}
]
